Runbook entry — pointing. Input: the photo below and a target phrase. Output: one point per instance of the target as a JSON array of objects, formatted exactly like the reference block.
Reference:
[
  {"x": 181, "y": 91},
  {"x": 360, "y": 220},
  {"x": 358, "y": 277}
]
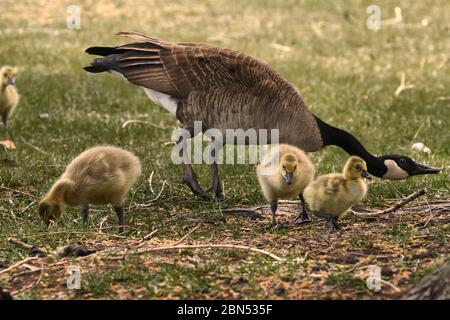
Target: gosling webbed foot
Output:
[
  {"x": 303, "y": 216},
  {"x": 334, "y": 225}
]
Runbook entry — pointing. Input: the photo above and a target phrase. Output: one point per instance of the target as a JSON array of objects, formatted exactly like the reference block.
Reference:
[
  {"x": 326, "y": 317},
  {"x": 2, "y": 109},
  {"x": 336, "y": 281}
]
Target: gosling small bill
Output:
[
  {"x": 332, "y": 195},
  {"x": 99, "y": 175},
  {"x": 284, "y": 173}
]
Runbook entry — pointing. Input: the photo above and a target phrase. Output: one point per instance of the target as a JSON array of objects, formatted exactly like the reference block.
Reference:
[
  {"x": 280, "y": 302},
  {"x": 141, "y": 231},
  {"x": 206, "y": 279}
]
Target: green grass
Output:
[{"x": 346, "y": 74}]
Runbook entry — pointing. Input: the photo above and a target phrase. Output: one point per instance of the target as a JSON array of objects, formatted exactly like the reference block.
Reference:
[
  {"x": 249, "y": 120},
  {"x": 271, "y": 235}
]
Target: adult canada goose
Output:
[
  {"x": 284, "y": 172},
  {"x": 9, "y": 98},
  {"x": 226, "y": 89},
  {"x": 99, "y": 175},
  {"x": 332, "y": 195}
]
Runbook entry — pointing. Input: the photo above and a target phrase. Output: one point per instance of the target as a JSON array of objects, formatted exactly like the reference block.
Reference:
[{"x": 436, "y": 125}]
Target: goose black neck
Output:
[{"x": 343, "y": 139}]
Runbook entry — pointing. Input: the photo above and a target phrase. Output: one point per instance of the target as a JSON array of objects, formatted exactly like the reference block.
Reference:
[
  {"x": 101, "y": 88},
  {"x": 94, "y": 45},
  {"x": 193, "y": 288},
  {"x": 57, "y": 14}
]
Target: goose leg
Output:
[
  {"x": 189, "y": 177},
  {"x": 215, "y": 147},
  {"x": 216, "y": 183},
  {"x": 273, "y": 207},
  {"x": 119, "y": 211},
  {"x": 303, "y": 216},
  {"x": 84, "y": 213}
]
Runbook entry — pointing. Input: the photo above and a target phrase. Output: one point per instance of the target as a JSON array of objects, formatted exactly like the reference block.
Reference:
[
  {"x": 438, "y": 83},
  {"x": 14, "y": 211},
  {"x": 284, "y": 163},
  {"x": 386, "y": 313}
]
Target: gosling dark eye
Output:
[{"x": 358, "y": 167}]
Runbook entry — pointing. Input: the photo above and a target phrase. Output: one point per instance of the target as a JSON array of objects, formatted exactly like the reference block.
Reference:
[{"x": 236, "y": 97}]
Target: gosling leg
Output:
[
  {"x": 119, "y": 211},
  {"x": 334, "y": 224},
  {"x": 273, "y": 207},
  {"x": 303, "y": 216},
  {"x": 5, "y": 121},
  {"x": 84, "y": 213}
]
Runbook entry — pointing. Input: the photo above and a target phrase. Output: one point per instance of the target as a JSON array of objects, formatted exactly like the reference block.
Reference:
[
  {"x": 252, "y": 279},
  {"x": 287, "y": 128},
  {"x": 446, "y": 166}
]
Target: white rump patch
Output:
[
  {"x": 164, "y": 100},
  {"x": 394, "y": 171}
]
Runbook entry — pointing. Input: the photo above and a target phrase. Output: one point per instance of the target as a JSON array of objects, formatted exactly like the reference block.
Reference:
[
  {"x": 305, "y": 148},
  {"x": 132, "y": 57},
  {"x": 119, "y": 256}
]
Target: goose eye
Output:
[{"x": 401, "y": 161}]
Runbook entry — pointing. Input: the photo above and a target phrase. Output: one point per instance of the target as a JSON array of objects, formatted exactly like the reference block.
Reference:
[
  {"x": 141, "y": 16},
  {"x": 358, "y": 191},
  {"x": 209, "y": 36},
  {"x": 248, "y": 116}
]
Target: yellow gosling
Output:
[
  {"x": 332, "y": 195},
  {"x": 9, "y": 98},
  {"x": 284, "y": 173},
  {"x": 99, "y": 175}
]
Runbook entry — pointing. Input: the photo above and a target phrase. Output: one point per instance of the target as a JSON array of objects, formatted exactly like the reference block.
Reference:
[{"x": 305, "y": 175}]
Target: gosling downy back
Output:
[{"x": 102, "y": 174}]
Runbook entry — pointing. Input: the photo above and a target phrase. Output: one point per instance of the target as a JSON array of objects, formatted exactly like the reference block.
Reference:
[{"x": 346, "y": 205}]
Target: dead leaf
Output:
[{"x": 8, "y": 145}]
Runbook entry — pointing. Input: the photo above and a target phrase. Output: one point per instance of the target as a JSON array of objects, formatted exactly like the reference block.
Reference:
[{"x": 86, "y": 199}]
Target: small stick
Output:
[
  {"x": 186, "y": 236},
  {"x": 32, "y": 249},
  {"x": 18, "y": 264},
  {"x": 148, "y": 236},
  {"x": 126, "y": 123},
  {"x": 35, "y": 148},
  {"x": 31, "y": 286},
  {"x": 18, "y": 191},
  {"x": 212, "y": 246},
  {"x": 398, "y": 205},
  {"x": 402, "y": 85},
  {"x": 20, "y": 244},
  {"x": 28, "y": 206}
]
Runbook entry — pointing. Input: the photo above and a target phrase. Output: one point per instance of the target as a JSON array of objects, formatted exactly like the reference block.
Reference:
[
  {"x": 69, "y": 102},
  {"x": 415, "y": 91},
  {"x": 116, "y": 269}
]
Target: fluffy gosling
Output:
[
  {"x": 284, "y": 173},
  {"x": 332, "y": 195},
  {"x": 9, "y": 98},
  {"x": 99, "y": 175}
]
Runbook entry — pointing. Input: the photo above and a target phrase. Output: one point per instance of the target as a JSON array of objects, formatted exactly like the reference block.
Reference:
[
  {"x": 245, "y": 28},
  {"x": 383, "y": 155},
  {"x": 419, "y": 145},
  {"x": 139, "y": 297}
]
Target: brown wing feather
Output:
[{"x": 179, "y": 69}]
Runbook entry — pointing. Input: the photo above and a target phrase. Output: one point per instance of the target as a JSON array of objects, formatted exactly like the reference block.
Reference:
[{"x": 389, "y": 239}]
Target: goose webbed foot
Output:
[
  {"x": 334, "y": 225},
  {"x": 190, "y": 180}
]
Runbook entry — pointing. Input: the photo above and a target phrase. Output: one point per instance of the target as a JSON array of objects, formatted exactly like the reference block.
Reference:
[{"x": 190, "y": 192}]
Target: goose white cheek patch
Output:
[{"x": 394, "y": 171}]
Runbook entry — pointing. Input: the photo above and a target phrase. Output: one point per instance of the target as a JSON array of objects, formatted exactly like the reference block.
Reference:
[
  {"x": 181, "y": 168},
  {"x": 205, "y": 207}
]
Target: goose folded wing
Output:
[{"x": 178, "y": 69}]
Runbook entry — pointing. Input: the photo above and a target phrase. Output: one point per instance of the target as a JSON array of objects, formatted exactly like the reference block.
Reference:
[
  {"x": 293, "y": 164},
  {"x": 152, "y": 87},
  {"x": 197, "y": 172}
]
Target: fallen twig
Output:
[
  {"x": 32, "y": 250},
  {"x": 186, "y": 236},
  {"x": 12, "y": 267},
  {"x": 18, "y": 191},
  {"x": 402, "y": 85},
  {"x": 398, "y": 205},
  {"x": 148, "y": 236},
  {"x": 210, "y": 246},
  {"x": 126, "y": 123},
  {"x": 31, "y": 286}
]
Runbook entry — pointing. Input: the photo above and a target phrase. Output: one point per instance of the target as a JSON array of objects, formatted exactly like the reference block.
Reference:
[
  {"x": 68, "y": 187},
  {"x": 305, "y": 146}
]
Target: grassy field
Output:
[{"x": 347, "y": 75}]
